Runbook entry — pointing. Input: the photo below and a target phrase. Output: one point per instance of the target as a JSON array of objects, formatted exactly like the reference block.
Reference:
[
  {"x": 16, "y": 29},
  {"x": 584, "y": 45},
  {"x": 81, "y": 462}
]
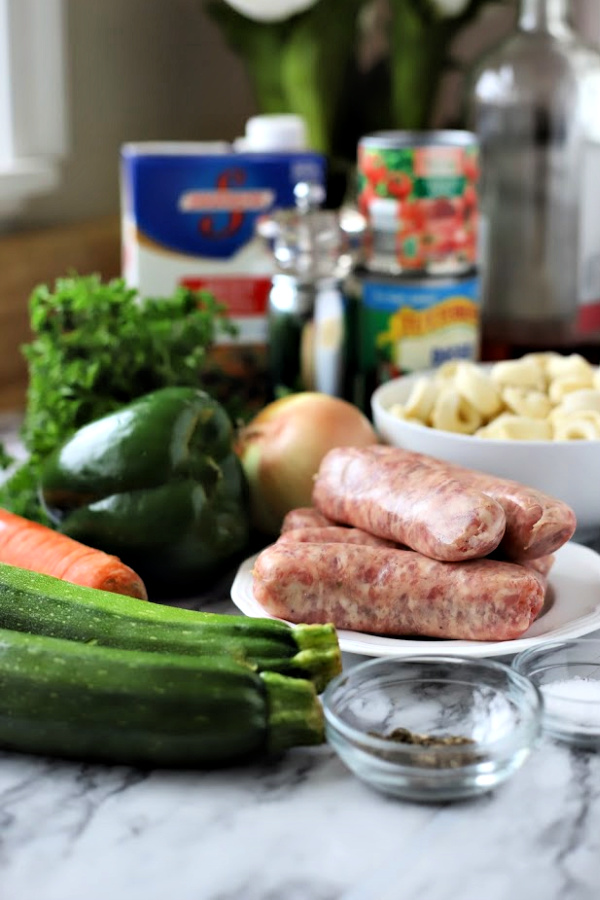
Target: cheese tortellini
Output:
[{"x": 540, "y": 397}]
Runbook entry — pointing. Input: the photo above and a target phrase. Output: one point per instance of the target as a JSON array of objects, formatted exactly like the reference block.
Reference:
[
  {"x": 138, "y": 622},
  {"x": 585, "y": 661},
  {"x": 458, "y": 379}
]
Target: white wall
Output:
[
  {"x": 159, "y": 69},
  {"x": 138, "y": 70}
]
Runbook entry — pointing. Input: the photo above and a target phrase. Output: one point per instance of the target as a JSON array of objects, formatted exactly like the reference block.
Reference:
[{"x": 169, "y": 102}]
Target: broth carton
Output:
[{"x": 189, "y": 218}]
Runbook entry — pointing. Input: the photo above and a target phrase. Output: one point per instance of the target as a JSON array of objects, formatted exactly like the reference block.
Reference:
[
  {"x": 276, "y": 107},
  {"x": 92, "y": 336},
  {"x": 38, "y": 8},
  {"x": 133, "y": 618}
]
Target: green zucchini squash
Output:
[
  {"x": 66, "y": 699},
  {"x": 41, "y": 604}
]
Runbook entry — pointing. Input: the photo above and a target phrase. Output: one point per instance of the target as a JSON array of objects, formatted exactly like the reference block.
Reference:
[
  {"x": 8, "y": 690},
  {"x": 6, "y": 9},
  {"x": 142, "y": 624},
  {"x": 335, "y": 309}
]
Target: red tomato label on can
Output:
[{"x": 419, "y": 195}]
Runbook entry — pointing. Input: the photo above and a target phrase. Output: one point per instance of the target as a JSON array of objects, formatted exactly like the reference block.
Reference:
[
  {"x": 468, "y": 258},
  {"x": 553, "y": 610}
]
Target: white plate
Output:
[{"x": 573, "y": 609}]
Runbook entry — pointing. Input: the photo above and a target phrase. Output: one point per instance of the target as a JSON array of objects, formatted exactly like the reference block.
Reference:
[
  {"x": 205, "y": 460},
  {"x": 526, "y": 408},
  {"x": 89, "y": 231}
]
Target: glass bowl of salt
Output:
[{"x": 567, "y": 675}]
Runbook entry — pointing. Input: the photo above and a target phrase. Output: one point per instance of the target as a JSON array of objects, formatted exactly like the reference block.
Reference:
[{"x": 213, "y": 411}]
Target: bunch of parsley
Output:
[{"x": 97, "y": 346}]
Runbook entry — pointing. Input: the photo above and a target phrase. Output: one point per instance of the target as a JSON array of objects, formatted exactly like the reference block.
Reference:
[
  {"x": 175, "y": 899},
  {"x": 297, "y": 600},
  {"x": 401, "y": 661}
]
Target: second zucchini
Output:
[{"x": 41, "y": 604}]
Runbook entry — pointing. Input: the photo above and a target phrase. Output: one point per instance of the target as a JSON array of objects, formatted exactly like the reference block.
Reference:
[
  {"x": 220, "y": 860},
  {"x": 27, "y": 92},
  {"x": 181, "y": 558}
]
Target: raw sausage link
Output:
[
  {"x": 335, "y": 534},
  {"x": 409, "y": 501},
  {"x": 304, "y": 517},
  {"x": 536, "y": 523},
  {"x": 396, "y": 592},
  {"x": 541, "y": 564}
]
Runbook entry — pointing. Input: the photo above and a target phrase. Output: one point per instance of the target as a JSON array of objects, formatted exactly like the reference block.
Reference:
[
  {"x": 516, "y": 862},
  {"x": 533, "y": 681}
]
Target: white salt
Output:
[{"x": 576, "y": 700}]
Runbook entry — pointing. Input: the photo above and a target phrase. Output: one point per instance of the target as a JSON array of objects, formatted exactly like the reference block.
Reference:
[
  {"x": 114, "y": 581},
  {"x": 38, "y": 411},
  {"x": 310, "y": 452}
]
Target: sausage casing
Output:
[
  {"x": 304, "y": 517},
  {"x": 396, "y": 592},
  {"x": 406, "y": 499},
  {"x": 334, "y": 534},
  {"x": 536, "y": 523}
]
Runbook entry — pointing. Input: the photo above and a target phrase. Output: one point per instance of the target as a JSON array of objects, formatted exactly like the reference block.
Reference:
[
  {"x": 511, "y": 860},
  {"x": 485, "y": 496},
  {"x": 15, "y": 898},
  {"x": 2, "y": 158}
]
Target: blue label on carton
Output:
[{"x": 207, "y": 205}]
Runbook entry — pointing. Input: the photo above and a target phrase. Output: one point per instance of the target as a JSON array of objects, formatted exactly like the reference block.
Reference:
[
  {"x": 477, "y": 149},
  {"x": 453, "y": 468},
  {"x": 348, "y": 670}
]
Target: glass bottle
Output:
[{"x": 534, "y": 103}]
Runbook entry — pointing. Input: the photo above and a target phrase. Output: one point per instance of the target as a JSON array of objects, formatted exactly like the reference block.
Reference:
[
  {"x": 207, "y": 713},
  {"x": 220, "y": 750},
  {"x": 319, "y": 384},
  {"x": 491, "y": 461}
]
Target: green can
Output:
[{"x": 401, "y": 325}]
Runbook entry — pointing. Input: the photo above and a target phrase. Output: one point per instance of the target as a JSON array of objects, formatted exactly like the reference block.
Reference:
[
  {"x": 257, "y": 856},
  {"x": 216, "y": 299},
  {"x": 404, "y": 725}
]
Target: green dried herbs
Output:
[{"x": 437, "y": 760}]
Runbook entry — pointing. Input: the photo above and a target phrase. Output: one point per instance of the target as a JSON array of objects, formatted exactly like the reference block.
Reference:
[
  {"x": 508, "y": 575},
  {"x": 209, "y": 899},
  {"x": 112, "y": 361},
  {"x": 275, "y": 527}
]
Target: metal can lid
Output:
[
  {"x": 416, "y": 279},
  {"x": 393, "y": 139}
]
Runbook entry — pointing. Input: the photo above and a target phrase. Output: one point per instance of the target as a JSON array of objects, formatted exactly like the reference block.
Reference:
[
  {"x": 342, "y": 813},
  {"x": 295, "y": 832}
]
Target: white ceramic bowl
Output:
[{"x": 569, "y": 470}]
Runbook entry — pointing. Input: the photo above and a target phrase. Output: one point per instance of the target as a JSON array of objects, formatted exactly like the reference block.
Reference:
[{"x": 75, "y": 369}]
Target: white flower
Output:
[
  {"x": 270, "y": 10},
  {"x": 450, "y": 8}
]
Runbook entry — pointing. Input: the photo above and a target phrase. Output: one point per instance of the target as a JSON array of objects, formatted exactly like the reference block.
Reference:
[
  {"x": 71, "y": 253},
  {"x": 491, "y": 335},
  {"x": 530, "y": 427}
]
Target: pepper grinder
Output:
[{"x": 306, "y": 315}]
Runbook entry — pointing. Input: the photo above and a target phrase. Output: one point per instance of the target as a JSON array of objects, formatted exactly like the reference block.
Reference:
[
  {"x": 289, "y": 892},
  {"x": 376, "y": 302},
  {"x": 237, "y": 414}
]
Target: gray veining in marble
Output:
[{"x": 303, "y": 828}]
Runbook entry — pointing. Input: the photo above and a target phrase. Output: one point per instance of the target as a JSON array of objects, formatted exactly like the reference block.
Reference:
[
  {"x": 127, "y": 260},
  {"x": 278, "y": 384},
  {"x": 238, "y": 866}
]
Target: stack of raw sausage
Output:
[{"x": 399, "y": 543}]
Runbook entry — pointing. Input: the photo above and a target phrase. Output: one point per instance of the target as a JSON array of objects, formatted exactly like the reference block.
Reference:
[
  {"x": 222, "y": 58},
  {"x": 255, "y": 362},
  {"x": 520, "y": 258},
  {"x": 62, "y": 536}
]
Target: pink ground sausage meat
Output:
[
  {"x": 304, "y": 517},
  {"x": 396, "y": 592},
  {"x": 408, "y": 500},
  {"x": 536, "y": 524},
  {"x": 542, "y": 564},
  {"x": 335, "y": 534}
]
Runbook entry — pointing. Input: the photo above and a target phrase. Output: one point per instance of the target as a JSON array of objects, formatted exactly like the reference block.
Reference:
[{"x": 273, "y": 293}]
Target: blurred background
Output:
[{"x": 136, "y": 70}]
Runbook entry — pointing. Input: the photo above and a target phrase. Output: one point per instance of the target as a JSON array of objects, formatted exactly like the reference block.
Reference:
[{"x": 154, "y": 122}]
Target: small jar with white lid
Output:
[{"x": 273, "y": 133}]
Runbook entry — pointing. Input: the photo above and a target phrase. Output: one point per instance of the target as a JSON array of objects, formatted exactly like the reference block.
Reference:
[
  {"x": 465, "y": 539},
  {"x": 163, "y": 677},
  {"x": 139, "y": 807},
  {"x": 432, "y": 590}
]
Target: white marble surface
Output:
[{"x": 302, "y": 828}]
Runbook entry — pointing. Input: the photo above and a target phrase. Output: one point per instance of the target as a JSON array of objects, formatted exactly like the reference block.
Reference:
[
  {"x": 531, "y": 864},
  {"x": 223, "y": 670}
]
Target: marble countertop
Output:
[
  {"x": 300, "y": 828},
  {"x": 303, "y": 828}
]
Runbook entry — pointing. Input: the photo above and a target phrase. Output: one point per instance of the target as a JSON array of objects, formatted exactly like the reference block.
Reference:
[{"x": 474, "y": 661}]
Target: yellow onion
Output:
[{"x": 282, "y": 447}]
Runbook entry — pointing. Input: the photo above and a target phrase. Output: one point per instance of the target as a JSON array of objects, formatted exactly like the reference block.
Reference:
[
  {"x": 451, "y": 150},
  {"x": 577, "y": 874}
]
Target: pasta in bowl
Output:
[{"x": 535, "y": 420}]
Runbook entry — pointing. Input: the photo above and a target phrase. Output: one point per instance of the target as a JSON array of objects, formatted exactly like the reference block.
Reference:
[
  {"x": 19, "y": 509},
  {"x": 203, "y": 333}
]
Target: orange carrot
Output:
[{"x": 32, "y": 546}]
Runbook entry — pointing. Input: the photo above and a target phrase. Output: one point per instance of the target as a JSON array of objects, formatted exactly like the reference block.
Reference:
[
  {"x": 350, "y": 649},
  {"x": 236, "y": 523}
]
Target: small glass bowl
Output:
[
  {"x": 490, "y": 712},
  {"x": 567, "y": 674}
]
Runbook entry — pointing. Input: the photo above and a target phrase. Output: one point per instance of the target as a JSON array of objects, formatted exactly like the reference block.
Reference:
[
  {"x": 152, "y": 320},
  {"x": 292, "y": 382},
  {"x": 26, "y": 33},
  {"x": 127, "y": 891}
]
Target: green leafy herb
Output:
[
  {"x": 5, "y": 459},
  {"x": 96, "y": 347},
  {"x": 20, "y": 493}
]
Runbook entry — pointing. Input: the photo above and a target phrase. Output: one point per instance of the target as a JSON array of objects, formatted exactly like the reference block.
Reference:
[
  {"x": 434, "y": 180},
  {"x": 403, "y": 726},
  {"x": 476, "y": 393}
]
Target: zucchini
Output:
[
  {"x": 96, "y": 704},
  {"x": 41, "y": 604}
]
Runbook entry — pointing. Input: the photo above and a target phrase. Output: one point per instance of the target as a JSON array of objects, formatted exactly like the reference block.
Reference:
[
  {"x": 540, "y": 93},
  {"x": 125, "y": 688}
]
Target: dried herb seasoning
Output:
[{"x": 441, "y": 760}]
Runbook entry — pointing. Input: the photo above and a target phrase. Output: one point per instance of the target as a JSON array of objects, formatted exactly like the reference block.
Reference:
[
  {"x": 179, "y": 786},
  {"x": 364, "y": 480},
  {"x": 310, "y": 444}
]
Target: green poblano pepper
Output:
[{"x": 156, "y": 483}]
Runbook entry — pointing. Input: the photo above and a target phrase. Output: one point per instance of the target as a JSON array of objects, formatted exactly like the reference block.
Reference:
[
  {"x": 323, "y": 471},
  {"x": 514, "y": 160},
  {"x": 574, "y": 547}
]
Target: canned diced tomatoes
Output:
[{"x": 418, "y": 191}]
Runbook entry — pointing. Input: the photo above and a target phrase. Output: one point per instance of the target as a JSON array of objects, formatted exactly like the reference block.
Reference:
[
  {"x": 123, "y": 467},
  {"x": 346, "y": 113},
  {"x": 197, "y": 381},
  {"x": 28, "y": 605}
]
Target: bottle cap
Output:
[{"x": 275, "y": 132}]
